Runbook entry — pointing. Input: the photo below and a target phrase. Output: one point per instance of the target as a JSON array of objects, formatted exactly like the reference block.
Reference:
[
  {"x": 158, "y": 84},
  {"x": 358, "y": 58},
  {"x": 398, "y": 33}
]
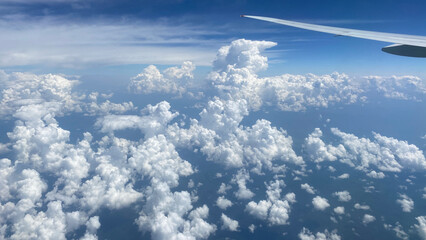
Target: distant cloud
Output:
[
  {"x": 343, "y": 196},
  {"x": 406, "y": 203},
  {"x": 274, "y": 209},
  {"x": 308, "y": 188},
  {"x": 368, "y": 219},
  {"x": 339, "y": 210},
  {"x": 320, "y": 203},
  {"x": 228, "y": 223},
  {"x": 383, "y": 153},
  {"x": 305, "y": 234}
]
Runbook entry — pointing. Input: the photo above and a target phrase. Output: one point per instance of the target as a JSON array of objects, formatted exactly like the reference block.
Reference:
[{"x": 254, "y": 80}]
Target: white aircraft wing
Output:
[{"x": 405, "y": 45}]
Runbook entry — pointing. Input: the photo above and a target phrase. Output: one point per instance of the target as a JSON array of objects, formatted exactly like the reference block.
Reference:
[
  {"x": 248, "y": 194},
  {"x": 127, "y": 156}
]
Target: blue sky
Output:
[{"x": 77, "y": 37}]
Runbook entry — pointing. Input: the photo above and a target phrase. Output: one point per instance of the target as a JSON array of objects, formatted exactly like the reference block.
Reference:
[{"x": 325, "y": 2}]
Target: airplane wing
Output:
[{"x": 404, "y": 45}]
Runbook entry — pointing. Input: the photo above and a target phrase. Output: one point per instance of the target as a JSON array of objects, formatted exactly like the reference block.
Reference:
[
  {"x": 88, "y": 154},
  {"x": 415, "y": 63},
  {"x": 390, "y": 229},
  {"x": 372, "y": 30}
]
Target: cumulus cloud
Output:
[
  {"x": 223, "y": 203},
  {"x": 172, "y": 80},
  {"x": 407, "y": 204},
  {"x": 308, "y": 188},
  {"x": 362, "y": 207},
  {"x": 305, "y": 234},
  {"x": 219, "y": 135},
  {"x": 368, "y": 219},
  {"x": 382, "y": 153},
  {"x": 421, "y": 226},
  {"x": 228, "y": 223},
  {"x": 320, "y": 203},
  {"x": 343, "y": 196},
  {"x": 274, "y": 209},
  {"x": 339, "y": 210}
]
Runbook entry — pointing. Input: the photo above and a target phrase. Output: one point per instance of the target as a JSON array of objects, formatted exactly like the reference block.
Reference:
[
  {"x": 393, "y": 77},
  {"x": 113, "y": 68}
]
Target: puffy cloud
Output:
[
  {"x": 374, "y": 174},
  {"x": 308, "y": 188},
  {"x": 223, "y": 203},
  {"x": 339, "y": 210},
  {"x": 153, "y": 122},
  {"x": 223, "y": 188},
  {"x": 362, "y": 207},
  {"x": 320, "y": 203},
  {"x": 107, "y": 107},
  {"x": 274, "y": 209},
  {"x": 344, "y": 196},
  {"x": 343, "y": 176},
  {"x": 23, "y": 89},
  {"x": 368, "y": 219},
  {"x": 398, "y": 87},
  {"x": 220, "y": 136},
  {"x": 421, "y": 227},
  {"x": 172, "y": 80},
  {"x": 406, "y": 203},
  {"x": 305, "y": 234},
  {"x": 241, "y": 179},
  {"x": 383, "y": 153},
  {"x": 228, "y": 223},
  {"x": 45, "y": 225},
  {"x": 398, "y": 229}
]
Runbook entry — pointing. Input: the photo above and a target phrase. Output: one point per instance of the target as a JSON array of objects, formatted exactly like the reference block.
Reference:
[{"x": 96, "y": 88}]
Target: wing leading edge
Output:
[{"x": 404, "y": 45}]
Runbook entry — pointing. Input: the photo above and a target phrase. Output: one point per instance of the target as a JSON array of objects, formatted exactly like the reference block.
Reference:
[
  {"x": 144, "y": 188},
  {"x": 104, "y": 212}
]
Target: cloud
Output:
[
  {"x": 228, "y": 223},
  {"x": 219, "y": 135},
  {"x": 51, "y": 41},
  {"x": 421, "y": 227},
  {"x": 344, "y": 176},
  {"x": 305, "y": 234},
  {"x": 383, "y": 153},
  {"x": 368, "y": 219},
  {"x": 362, "y": 207},
  {"x": 343, "y": 196},
  {"x": 172, "y": 80},
  {"x": 274, "y": 209},
  {"x": 339, "y": 210},
  {"x": 223, "y": 203},
  {"x": 374, "y": 174},
  {"x": 154, "y": 120},
  {"x": 406, "y": 203},
  {"x": 320, "y": 203},
  {"x": 308, "y": 188},
  {"x": 26, "y": 89},
  {"x": 241, "y": 179}
]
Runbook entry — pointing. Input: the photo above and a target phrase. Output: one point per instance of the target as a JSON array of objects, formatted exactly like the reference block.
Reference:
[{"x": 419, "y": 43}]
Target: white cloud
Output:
[
  {"x": 241, "y": 179},
  {"x": 24, "y": 89},
  {"x": 223, "y": 188},
  {"x": 374, "y": 174},
  {"x": 305, "y": 234},
  {"x": 308, "y": 188},
  {"x": 320, "y": 203},
  {"x": 228, "y": 223},
  {"x": 339, "y": 210},
  {"x": 362, "y": 207},
  {"x": 223, "y": 203},
  {"x": 172, "y": 80},
  {"x": 398, "y": 229},
  {"x": 406, "y": 203},
  {"x": 421, "y": 227},
  {"x": 52, "y": 41},
  {"x": 344, "y": 196},
  {"x": 154, "y": 120},
  {"x": 274, "y": 209},
  {"x": 383, "y": 153},
  {"x": 343, "y": 176},
  {"x": 368, "y": 219}
]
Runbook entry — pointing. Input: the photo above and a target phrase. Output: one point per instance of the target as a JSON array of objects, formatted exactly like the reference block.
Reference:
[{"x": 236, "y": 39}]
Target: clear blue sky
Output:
[{"x": 87, "y": 36}]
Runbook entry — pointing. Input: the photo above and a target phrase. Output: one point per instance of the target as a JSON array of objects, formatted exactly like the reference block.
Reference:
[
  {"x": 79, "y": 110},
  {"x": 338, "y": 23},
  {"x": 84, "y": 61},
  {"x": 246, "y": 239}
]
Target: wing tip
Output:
[{"x": 243, "y": 15}]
